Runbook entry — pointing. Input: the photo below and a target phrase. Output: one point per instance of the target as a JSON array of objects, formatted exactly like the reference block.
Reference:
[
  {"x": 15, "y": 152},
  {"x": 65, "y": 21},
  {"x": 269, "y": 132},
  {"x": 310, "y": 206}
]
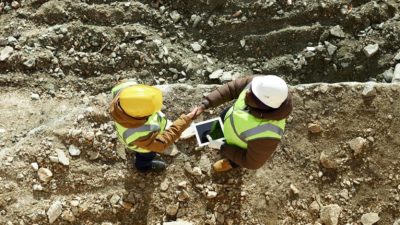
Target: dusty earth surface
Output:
[{"x": 60, "y": 162}]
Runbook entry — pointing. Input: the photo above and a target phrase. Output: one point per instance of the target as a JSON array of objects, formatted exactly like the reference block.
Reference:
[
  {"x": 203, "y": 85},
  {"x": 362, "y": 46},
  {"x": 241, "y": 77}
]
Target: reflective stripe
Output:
[
  {"x": 233, "y": 125},
  {"x": 117, "y": 92},
  {"x": 261, "y": 129},
  {"x": 131, "y": 131}
]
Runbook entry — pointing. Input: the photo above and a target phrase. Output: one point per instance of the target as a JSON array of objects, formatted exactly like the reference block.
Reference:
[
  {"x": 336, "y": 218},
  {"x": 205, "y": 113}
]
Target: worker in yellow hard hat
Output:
[{"x": 141, "y": 126}]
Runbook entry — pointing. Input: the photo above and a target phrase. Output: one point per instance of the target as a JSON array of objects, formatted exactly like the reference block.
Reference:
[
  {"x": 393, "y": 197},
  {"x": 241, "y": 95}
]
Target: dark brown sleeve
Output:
[
  {"x": 257, "y": 153},
  {"x": 157, "y": 142},
  {"x": 226, "y": 92}
]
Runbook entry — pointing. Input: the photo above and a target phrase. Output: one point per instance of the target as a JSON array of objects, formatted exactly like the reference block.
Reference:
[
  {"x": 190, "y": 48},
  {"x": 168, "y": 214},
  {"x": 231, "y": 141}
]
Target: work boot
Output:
[{"x": 157, "y": 166}]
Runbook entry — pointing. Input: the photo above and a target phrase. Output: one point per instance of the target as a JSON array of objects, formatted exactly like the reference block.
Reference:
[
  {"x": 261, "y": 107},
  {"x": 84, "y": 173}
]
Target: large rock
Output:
[
  {"x": 196, "y": 46},
  {"x": 62, "y": 158},
  {"x": 330, "y": 214},
  {"x": 396, "y": 74},
  {"x": 45, "y": 174},
  {"x": 358, "y": 144},
  {"x": 369, "y": 89},
  {"x": 5, "y": 53},
  {"x": 326, "y": 162},
  {"x": 54, "y": 211},
  {"x": 216, "y": 74},
  {"x": 74, "y": 151},
  {"x": 337, "y": 31},
  {"x": 370, "y": 218},
  {"x": 314, "y": 128},
  {"x": 370, "y": 50}
]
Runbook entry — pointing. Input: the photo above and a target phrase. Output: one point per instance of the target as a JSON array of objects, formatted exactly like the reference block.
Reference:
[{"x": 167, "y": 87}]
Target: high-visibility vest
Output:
[
  {"x": 155, "y": 123},
  {"x": 240, "y": 126}
]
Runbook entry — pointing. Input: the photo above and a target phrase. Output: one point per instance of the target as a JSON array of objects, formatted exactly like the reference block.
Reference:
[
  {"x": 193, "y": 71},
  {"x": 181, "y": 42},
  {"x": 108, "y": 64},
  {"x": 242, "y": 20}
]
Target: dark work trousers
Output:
[
  {"x": 222, "y": 115},
  {"x": 143, "y": 161}
]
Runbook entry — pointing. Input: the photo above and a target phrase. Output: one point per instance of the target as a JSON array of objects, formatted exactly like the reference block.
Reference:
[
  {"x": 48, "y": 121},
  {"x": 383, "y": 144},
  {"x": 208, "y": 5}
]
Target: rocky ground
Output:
[{"x": 60, "y": 162}]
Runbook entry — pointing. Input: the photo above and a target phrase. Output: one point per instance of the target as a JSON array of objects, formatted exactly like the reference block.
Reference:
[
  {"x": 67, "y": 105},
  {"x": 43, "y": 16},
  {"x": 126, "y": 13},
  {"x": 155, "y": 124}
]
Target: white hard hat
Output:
[{"x": 270, "y": 90}]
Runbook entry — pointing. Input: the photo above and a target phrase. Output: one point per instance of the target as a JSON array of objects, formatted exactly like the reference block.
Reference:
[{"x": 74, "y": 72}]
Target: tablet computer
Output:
[{"x": 211, "y": 129}]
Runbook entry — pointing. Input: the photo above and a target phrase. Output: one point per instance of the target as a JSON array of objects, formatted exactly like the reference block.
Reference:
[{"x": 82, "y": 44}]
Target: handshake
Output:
[{"x": 197, "y": 111}]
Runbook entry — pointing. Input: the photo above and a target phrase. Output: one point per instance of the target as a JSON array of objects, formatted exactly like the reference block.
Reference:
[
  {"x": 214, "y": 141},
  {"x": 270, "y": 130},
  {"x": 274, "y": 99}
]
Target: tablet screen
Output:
[{"x": 212, "y": 129}]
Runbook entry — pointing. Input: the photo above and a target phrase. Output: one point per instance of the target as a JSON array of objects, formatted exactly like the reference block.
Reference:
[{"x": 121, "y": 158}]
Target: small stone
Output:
[
  {"x": 344, "y": 194},
  {"x": 216, "y": 74},
  {"x": 330, "y": 48},
  {"x": 226, "y": 76},
  {"x": 183, "y": 196},
  {"x": 397, "y": 222},
  {"x": 114, "y": 199},
  {"x": 211, "y": 194},
  {"x": 37, "y": 187},
  {"x": 370, "y": 218},
  {"x": 54, "y": 211},
  {"x": 53, "y": 159},
  {"x": 369, "y": 89},
  {"x": 62, "y": 158},
  {"x": 314, "y": 207},
  {"x": 326, "y": 161},
  {"x": 371, "y": 49},
  {"x": 196, "y": 171},
  {"x": 172, "y": 209},
  {"x": 330, "y": 214},
  {"x": 396, "y": 74},
  {"x": 6, "y": 53},
  {"x": 294, "y": 189},
  {"x": 74, "y": 151},
  {"x": 314, "y": 128},
  {"x": 45, "y": 174},
  {"x": 35, "y": 166},
  {"x": 337, "y": 31},
  {"x": 164, "y": 185},
  {"x": 388, "y": 75},
  {"x": 175, "y": 16},
  {"x": 196, "y": 46},
  {"x": 243, "y": 43},
  {"x": 182, "y": 184},
  {"x": 15, "y": 5},
  {"x": 397, "y": 57},
  {"x": 358, "y": 145},
  {"x": 74, "y": 203},
  {"x": 35, "y": 96},
  {"x": 30, "y": 63}
]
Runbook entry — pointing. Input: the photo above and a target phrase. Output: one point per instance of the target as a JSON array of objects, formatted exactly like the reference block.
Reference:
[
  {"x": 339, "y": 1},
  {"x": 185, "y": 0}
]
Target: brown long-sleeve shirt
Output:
[
  {"x": 155, "y": 141},
  {"x": 259, "y": 150}
]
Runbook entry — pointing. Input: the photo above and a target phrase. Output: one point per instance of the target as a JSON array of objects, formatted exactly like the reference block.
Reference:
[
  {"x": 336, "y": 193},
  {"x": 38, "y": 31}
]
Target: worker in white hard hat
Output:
[
  {"x": 254, "y": 124},
  {"x": 141, "y": 126}
]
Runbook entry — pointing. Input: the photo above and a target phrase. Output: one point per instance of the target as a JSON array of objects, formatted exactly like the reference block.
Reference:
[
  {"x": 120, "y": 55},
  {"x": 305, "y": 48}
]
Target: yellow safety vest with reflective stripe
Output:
[
  {"x": 155, "y": 123},
  {"x": 240, "y": 126}
]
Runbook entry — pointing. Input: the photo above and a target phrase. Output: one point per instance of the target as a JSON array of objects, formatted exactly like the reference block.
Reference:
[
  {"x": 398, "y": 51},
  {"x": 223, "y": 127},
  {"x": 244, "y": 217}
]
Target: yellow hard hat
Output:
[{"x": 140, "y": 100}]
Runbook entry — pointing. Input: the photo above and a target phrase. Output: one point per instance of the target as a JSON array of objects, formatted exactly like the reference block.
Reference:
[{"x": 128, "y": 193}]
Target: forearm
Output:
[
  {"x": 226, "y": 92},
  {"x": 159, "y": 142}
]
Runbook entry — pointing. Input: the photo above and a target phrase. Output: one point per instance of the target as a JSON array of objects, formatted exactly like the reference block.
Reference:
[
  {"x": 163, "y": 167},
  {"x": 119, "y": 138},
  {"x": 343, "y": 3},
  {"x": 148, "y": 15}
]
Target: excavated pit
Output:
[{"x": 67, "y": 55}]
